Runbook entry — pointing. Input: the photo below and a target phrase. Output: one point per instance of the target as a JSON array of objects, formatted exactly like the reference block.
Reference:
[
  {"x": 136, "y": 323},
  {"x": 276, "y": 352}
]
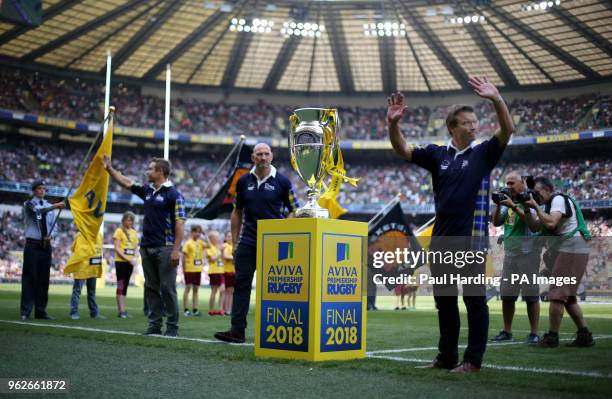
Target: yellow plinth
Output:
[{"x": 311, "y": 295}]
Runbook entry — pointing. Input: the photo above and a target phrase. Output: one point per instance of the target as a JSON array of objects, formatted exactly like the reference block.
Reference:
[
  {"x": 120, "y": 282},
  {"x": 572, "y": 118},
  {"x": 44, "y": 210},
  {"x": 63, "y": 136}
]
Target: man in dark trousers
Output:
[
  {"x": 38, "y": 217},
  {"x": 162, "y": 235},
  {"x": 263, "y": 193},
  {"x": 460, "y": 176}
]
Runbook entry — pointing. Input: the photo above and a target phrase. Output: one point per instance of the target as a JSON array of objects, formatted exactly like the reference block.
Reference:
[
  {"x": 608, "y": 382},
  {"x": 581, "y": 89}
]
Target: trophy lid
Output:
[{"x": 312, "y": 114}]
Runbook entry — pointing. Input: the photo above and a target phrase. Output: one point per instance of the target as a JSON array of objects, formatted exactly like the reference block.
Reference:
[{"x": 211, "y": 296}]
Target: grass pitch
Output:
[{"x": 104, "y": 358}]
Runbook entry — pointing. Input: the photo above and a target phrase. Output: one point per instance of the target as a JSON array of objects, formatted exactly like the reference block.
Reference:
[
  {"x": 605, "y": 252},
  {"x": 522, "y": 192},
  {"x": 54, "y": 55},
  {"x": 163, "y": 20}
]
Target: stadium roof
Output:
[{"x": 324, "y": 46}]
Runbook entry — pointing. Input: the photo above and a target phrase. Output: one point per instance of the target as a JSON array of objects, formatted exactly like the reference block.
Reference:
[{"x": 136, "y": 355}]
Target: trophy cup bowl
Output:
[{"x": 312, "y": 141}]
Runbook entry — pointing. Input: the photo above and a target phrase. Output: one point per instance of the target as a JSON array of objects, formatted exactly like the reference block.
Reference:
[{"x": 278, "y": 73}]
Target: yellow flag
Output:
[
  {"x": 424, "y": 237},
  {"x": 88, "y": 205},
  {"x": 89, "y": 267}
]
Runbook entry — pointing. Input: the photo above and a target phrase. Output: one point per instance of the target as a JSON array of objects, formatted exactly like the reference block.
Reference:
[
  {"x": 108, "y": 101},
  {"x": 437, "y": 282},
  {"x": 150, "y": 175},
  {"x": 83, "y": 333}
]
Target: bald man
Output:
[
  {"x": 521, "y": 258},
  {"x": 263, "y": 193}
]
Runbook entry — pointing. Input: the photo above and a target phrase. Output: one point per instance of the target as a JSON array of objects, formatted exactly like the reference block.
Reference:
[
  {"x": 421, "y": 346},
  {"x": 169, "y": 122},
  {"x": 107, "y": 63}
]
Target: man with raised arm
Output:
[
  {"x": 460, "y": 177},
  {"x": 160, "y": 247}
]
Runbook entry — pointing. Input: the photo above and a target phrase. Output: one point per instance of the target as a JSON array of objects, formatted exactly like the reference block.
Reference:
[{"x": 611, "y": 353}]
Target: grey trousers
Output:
[{"x": 160, "y": 287}]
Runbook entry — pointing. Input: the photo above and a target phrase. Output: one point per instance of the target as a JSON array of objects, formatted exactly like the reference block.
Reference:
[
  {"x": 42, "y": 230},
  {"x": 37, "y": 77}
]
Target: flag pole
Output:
[
  {"x": 239, "y": 144},
  {"x": 167, "y": 114},
  {"x": 109, "y": 61},
  {"x": 426, "y": 225},
  {"x": 111, "y": 111},
  {"x": 108, "y": 89},
  {"x": 385, "y": 208}
]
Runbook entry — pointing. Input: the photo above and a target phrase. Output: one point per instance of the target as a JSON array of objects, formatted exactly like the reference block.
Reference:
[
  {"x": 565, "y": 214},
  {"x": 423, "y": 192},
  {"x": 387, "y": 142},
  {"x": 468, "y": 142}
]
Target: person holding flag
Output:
[
  {"x": 162, "y": 235},
  {"x": 38, "y": 216}
]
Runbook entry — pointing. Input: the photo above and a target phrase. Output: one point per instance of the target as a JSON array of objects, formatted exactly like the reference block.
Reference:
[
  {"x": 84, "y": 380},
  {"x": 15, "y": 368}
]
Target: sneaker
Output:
[
  {"x": 187, "y": 313},
  {"x": 152, "y": 331},
  {"x": 549, "y": 341},
  {"x": 397, "y": 308},
  {"x": 24, "y": 317},
  {"x": 171, "y": 333},
  {"x": 533, "y": 339},
  {"x": 75, "y": 316},
  {"x": 502, "y": 336},
  {"x": 123, "y": 315},
  {"x": 98, "y": 317},
  {"x": 44, "y": 316},
  {"x": 583, "y": 339},
  {"x": 231, "y": 336},
  {"x": 196, "y": 313}
]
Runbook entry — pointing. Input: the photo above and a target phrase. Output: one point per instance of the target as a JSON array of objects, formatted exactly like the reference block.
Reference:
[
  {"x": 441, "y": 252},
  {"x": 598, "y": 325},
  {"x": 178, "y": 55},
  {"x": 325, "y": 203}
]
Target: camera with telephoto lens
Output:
[
  {"x": 501, "y": 195},
  {"x": 524, "y": 196}
]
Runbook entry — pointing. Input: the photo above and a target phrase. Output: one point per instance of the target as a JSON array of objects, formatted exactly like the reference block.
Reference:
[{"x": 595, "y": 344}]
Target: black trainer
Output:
[
  {"x": 502, "y": 336},
  {"x": 171, "y": 333},
  {"x": 44, "y": 316},
  {"x": 152, "y": 331},
  {"x": 583, "y": 339},
  {"x": 232, "y": 336}
]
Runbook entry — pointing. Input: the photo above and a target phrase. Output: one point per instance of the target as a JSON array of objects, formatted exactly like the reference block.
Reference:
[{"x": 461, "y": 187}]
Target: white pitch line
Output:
[
  {"x": 593, "y": 374},
  {"x": 372, "y": 354},
  {"x": 202, "y": 340},
  {"x": 489, "y": 345}
]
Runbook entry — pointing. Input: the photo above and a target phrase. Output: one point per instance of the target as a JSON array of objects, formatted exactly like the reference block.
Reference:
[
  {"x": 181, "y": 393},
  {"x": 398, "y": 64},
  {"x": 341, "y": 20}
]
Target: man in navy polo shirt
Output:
[
  {"x": 460, "y": 177},
  {"x": 263, "y": 193},
  {"x": 162, "y": 234}
]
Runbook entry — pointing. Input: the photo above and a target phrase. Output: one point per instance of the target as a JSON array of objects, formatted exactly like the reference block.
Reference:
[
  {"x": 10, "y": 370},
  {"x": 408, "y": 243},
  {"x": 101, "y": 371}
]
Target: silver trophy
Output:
[{"x": 313, "y": 143}]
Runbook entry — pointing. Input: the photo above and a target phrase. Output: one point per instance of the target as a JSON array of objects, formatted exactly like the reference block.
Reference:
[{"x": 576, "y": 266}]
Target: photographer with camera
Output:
[
  {"x": 567, "y": 254},
  {"x": 521, "y": 255}
]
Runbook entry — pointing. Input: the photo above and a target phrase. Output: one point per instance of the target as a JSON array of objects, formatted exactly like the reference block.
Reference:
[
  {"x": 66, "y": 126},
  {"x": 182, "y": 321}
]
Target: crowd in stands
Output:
[
  {"x": 82, "y": 100},
  {"x": 12, "y": 242},
  {"x": 58, "y": 164}
]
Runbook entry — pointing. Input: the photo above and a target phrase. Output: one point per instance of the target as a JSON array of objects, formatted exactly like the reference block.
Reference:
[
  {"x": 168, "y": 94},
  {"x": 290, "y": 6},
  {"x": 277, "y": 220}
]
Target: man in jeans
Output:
[{"x": 162, "y": 234}]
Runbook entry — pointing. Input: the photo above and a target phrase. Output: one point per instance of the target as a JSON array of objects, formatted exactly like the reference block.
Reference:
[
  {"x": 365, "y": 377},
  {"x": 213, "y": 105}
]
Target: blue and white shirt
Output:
[
  {"x": 460, "y": 182},
  {"x": 162, "y": 208}
]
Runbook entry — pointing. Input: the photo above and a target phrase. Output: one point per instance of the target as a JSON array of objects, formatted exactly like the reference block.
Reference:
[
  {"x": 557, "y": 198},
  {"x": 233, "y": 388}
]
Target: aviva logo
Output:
[
  {"x": 342, "y": 251},
  {"x": 285, "y": 250}
]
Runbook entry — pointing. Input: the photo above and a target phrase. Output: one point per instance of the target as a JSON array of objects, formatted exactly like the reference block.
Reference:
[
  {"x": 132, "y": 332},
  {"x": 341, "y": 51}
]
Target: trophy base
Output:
[{"x": 310, "y": 211}]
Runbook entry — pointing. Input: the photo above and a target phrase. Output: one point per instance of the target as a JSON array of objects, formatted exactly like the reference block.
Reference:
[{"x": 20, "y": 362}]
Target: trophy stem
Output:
[{"x": 312, "y": 209}]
